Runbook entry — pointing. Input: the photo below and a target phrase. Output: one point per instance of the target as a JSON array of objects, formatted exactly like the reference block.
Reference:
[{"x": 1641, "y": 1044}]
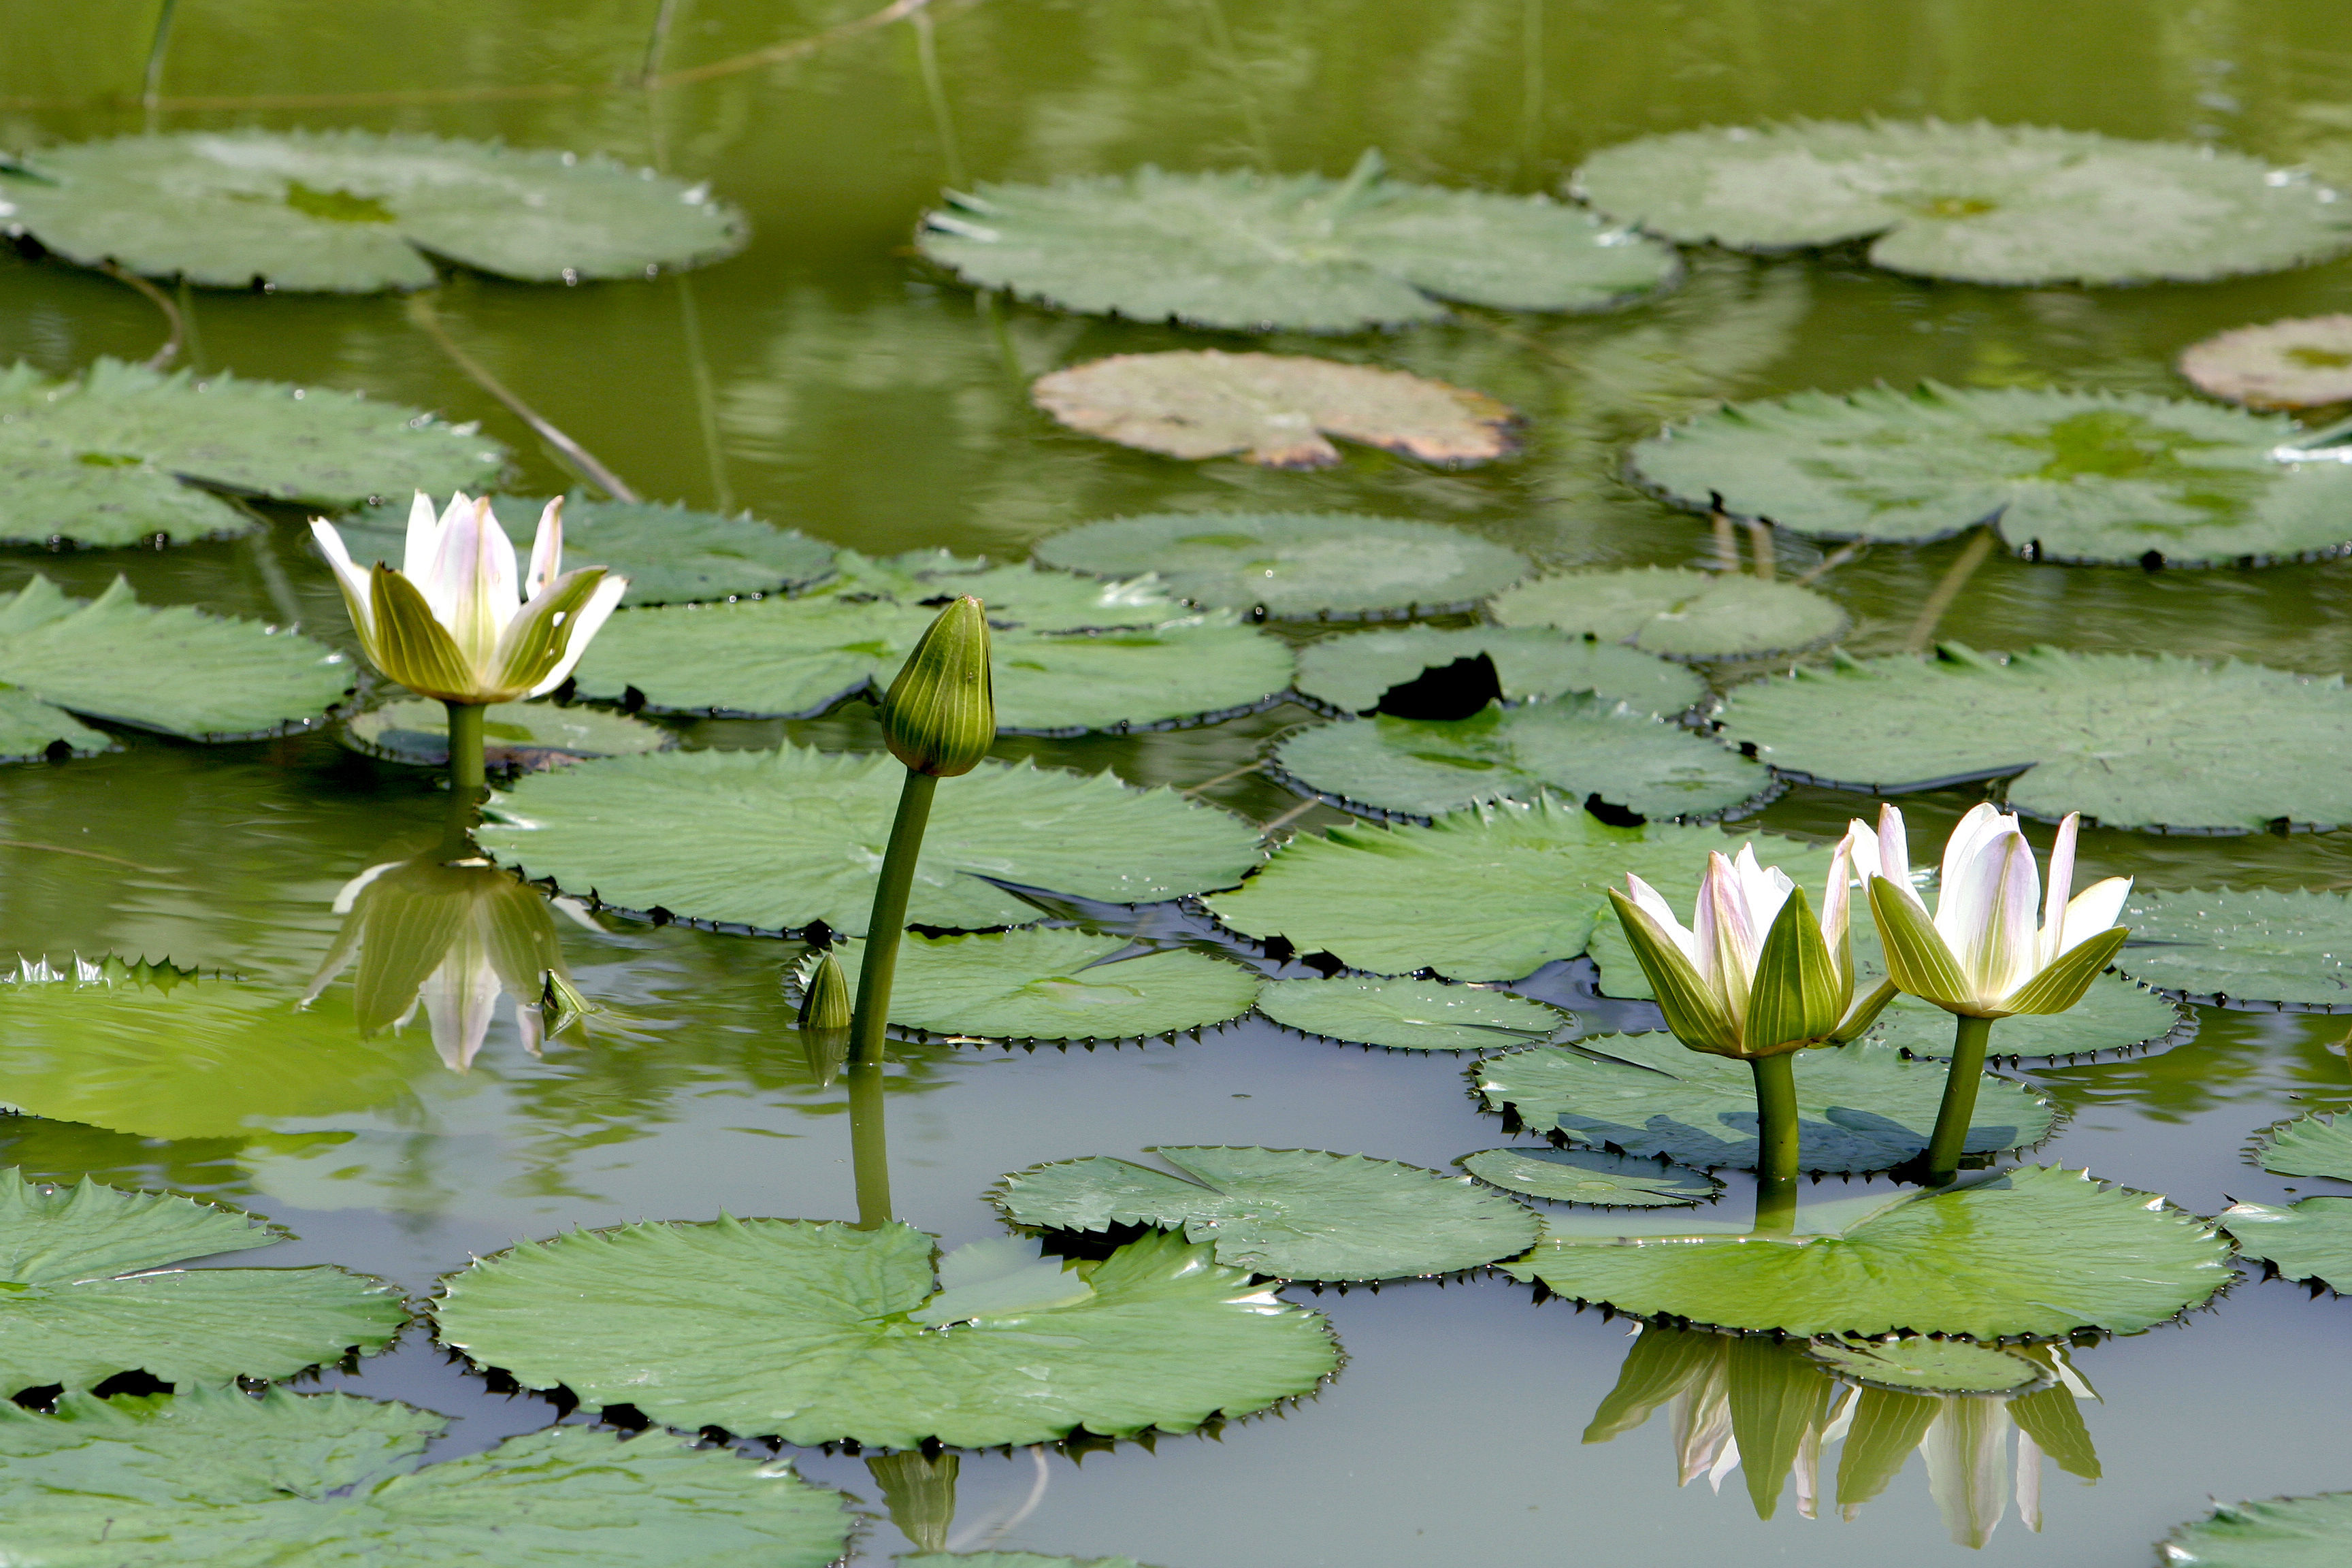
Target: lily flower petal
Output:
[
  {"x": 350, "y": 579},
  {"x": 1652, "y": 904},
  {"x": 582, "y": 628},
  {"x": 2094, "y": 909},
  {"x": 424, "y": 536},
  {"x": 2059, "y": 890},
  {"x": 546, "y": 550},
  {"x": 1894, "y": 846}
]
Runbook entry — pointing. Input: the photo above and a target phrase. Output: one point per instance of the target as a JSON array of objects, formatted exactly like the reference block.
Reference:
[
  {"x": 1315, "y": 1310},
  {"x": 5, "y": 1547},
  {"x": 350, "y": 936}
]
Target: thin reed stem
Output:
[
  {"x": 1955, "y": 578},
  {"x": 161, "y": 301},
  {"x": 579, "y": 459}
]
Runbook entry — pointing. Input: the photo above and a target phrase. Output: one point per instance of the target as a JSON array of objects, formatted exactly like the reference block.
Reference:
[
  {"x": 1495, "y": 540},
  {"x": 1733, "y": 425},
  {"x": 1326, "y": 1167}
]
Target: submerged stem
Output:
[
  {"x": 869, "y": 1147},
  {"x": 1775, "y": 1140},
  {"x": 1963, "y": 567},
  {"x": 468, "y": 775},
  {"x": 578, "y": 457},
  {"x": 1960, "y": 1107}
]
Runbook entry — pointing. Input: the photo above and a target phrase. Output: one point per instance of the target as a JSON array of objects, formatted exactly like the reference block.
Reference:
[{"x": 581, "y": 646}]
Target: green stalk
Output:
[
  {"x": 1960, "y": 1107},
  {"x": 1776, "y": 1141},
  {"x": 869, "y": 1147},
  {"x": 469, "y": 777},
  {"x": 870, "y": 1020}
]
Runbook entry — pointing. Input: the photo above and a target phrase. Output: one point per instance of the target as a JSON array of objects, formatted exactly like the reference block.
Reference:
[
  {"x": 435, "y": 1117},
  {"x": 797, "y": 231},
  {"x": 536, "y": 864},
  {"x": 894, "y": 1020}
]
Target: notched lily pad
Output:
[
  {"x": 1676, "y": 613},
  {"x": 2309, "y": 1240},
  {"x": 2313, "y": 1145},
  {"x": 2276, "y": 1532},
  {"x": 2251, "y": 947},
  {"x": 517, "y": 737},
  {"x": 1275, "y": 410},
  {"x": 1411, "y": 1015},
  {"x": 1590, "y": 1176},
  {"x": 1351, "y": 674},
  {"x": 2115, "y": 1018},
  {"x": 1292, "y": 1214},
  {"x": 2301, "y": 363},
  {"x": 1919, "y": 1365}
]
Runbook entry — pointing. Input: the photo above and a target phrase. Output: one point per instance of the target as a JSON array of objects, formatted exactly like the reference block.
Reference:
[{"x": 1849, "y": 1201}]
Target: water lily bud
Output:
[
  {"x": 940, "y": 717},
  {"x": 825, "y": 1003}
]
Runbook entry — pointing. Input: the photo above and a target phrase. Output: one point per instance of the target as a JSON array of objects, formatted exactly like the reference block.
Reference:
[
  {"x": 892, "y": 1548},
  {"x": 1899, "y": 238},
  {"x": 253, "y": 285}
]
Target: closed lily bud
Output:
[
  {"x": 825, "y": 1015},
  {"x": 939, "y": 715}
]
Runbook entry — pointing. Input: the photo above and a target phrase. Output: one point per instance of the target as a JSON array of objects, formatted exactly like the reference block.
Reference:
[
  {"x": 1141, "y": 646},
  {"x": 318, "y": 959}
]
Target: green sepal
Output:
[
  {"x": 2061, "y": 985},
  {"x": 824, "y": 999},
  {"x": 939, "y": 715},
  {"x": 1794, "y": 1002},
  {"x": 539, "y": 642},
  {"x": 1865, "y": 1013},
  {"x": 1698, "y": 1019},
  {"x": 412, "y": 645},
  {"x": 1917, "y": 959}
]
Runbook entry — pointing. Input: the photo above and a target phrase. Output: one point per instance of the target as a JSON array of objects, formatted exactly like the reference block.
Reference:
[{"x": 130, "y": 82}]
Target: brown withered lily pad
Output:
[
  {"x": 2304, "y": 363},
  {"x": 1277, "y": 410}
]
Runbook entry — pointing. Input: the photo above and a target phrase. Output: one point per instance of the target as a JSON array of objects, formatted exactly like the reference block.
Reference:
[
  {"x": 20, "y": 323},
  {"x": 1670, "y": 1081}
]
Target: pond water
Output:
[{"x": 828, "y": 380}]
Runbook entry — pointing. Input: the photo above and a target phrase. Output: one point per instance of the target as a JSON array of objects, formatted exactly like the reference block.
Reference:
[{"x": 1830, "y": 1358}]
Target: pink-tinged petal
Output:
[
  {"x": 357, "y": 596},
  {"x": 546, "y": 550},
  {"x": 1997, "y": 950},
  {"x": 1728, "y": 941},
  {"x": 1969, "y": 836},
  {"x": 1894, "y": 848},
  {"x": 2061, "y": 888},
  {"x": 424, "y": 539},
  {"x": 459, "y": 999},
  {"x": 2095, "y": 909},
  {"x": 1653, "y": 903},
  {"x": 584, "y": 627},
  {"x": 477, "y": 570},
  {"x": 1837, "y": 899}
]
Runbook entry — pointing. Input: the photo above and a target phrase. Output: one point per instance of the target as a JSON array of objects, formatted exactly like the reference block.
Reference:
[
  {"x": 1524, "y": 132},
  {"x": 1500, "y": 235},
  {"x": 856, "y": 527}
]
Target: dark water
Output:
[{"x": 826, "y": 380}]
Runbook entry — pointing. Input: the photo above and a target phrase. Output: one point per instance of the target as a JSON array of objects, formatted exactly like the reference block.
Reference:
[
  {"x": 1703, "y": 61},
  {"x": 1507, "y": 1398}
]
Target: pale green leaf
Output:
[
  {"x": 2313, "y": 1145},
  {"x": 2244, "y": 946},
  {"x": 1919, "y": 1366},
  {"x": 2276, "y": 1532},
  {"x": 1351, "y": 673},
  {"x": 1411, "y": 1015},
  {"x": 2309, "y": 1240},
  {"x": 514, "y": 734},
  {"x": 1590, "y": 1176},
  {"x": 1677, "y": 612}
]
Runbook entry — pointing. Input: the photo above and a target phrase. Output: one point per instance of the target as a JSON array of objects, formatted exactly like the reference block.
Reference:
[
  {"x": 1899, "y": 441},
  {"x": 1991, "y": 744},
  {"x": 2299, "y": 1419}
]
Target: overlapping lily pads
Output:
[
  {"x": 1860, "y": 1107},
  {"x": 2276, "y": 1532},
  {"x": 1055, "y": 985},
  {"x": 1411, "y": 1015},
  {"x": 2312, "y": 1145},
  {"x": 1253, "y": 251},
  {"x": 2067, "y": 476},
  {"x": 1590, "y": 1176},
  {"x": 92, "y": 1294},
  {"x": 102, "y": 460},
  {"x": 1919, "y": 1366},
  {"x": 772, "y": 841},
  {"x": 1577, "y": 746},
  {"x": 1351, "y": 673},
  {"x": 515, "y": 735},
  {"x": 1279, "y": 411},
  {"x": 2143, "y": 741},
  {"x": 802, "y": 1329},
  {"x": 1292, "y": 1214},
  {"x": 2301, "y": 363},
  {"x": 1677, "y": 612},
  {"x": 2035, "y": 1252},
  {"x": 355, "y": 211},
  {"x": 1295, "y": 565},
  {"x": 1986, "y": 203},
  {"x": 2243, "y": 947},
  {"x": 2308, "y": 1240}
]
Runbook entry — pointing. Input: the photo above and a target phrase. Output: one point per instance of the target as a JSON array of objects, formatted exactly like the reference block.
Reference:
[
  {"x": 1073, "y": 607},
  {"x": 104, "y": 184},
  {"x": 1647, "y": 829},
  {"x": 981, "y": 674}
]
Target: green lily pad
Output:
[
  {"x": 2302, "y": 364},
  {"x": 352, "y": 211},
  {"x": 1589, "y": 1176},
  {"x": 2150, "y": 742},
  {"x": 100, "y": 461},
  {"x": 1490, "y": 894},
  {"x": 91, "y": 1294},
  {"x": 1411, "y": 1015},
  {"x": 802, "y": 1329},
  {"x": 1860, "y": 1107},
  {"x": 1349, "y": 674},
  {"x": 1055, "y": 985},
  {"x": 1919, "y": 1366},
  {"x": 2115, "y": 1016},
  {"x": 1295, "y": 565},
  {"x": 2309, "y": 1240},
  {"x": 771, "y": 841},
  {"x": 224, "y": 1480},
  {"x": 515, "y": 735},
  {"x": 2067, "y": 475},
  {"x": 1577, "y": 746},
  {"x": 1676, "y": 613},
  {"x": 2312, "y": 1145},
  {"x": 1985, "y": 204},
  {"x": 1022, "y": 594},
  {"x": 670, "y": 553},
  {"x": 1292, "y": 1214},
  {"x": 2277, "y": 1532},
  {"x": 2037, "y": 1252},
  {"x": 1256, "y": 252},
  {"x": 2247, "y": 946}
]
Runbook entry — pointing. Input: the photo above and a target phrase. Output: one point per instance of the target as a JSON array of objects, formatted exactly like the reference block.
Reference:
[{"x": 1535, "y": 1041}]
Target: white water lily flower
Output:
[
  {"x": 451, "y": 623},
  {"x": 1995, "y": 946}
]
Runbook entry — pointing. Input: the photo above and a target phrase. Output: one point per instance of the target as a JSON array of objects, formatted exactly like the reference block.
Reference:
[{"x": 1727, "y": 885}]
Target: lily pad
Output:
[
  {"x": 1256, "y": 252},
  {"x": 1349, "y": 674},
  {"x": 100, "y": 460},
  {"x": 799, "y": 657},
  {"x": 1589, "y": 1176},
  {"x": 2080, "y": 477},
  {"x": 1292, "y": 1214},
  {"x": 2036, "y": 1252},
  {"x": 1676, "y": 613},
  {"x": 671, "y": 554},
  {"x": 1278, "y": 411},
  {"x": 1860, "y": 1107},
  {"x": 1295, "y": 565},
  {"x": 2309, "y": 1240},
  {"x": 1919, "y": 1366},
  {"x": 2115, "y": 1016},
  {"x": 2243, "y": 947},
  {"x": 1055, "y": 985},
  {"x": 515, "y": 735},
  {"x": 1984, "y": 203},
  {"x": 222, "y": 1480},
  {"x": 1577, "y": 746},
  {"x": 1411, "y": 1015},
  {"x": 772, "y": 841},
  {"x": 1022, "y": 594},
  {"x": 2141, "y": 740},
  {"x": 2301, "y": 363},
  {"x": 92, "y": 1294},
  {"x": 352, "y": 211},
  {"x": 801, "y": 1329},
  {"x": 2277, "y": 1532},
  {"x": 2311, "y": 1145},
  {"x": 1493, "y": 893}
]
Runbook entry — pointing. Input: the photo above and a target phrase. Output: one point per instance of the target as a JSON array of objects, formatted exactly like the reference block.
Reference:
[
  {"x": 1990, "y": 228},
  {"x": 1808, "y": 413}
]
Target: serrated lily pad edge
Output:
[
  {"x": 1568, "y": 1019},
  {"x": 633, "y": 702},
  {"x": 2184, "y": 1029},
  {"x": 2259, "y": 1143},
  {"x": 2222, "y": 1000}
]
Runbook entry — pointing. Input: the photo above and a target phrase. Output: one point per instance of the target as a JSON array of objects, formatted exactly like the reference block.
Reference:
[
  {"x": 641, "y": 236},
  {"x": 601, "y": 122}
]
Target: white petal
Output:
[
  {"x": 1860, "y": 845},
  {"x": 348, "y": 893},
  {"x": 584, "y": 627},
  {"x": 546, "y": 550},
  {"x": 1969, "y": 835},
  {"x": 459, "y": 999},
  {"x": 2059, "y": 888},
  {"x": 424, "y": 539},
  {"x": 357, "y": 596},
  {"x": 1727, "y": 941},
  {"x": 1998, "y": 954},
  {"x": 1894, "y": 846},
  {"x": 1837, "y": 899},
  {"x": 2095, "y": 909},
  {"x": 1650, "y": 903},
  {"x": 476, "y": 570},
  {"x": 1974, "y": 857}
]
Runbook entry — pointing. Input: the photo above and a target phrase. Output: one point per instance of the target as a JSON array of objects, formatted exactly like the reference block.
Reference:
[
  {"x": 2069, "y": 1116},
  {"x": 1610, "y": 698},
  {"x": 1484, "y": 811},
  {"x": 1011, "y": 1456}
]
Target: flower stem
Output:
[
  {"x": 1960, "y": 1107},
  {"x": 468, "y": 775},
  {"x": 869, "y": 1147},
  {"x": 1775, "y": 1140},
  {"x": 871, "y": 1017}
]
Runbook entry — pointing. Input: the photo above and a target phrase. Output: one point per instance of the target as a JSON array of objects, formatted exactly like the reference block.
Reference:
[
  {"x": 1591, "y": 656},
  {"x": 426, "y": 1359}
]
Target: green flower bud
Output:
[
  {"x": 940, "y": 717},
  {"x": 825, "y": 1016}
]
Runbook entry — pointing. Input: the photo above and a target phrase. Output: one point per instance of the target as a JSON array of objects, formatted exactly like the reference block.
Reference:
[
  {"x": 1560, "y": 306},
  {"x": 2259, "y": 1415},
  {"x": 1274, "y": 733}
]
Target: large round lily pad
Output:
[
  {"x": 91, "y": 1293},
  {"x": 1294, "y": 1214},
  {"x": 2036, "y": 1252},
  {"x": 1677, "y": 612},
  {"x": 1986, "y": 203},
  {"x": 2067, "y": 476},
  {"x": 102, "y": 460},
  {"x": 2313, "y": 1145},
  {"x": 1590, "y": 1176},
  {"x": 1055, "y": 985},
  {"x": 2301, "y": 363},
  {"x": 771, "y": 841},
  {"x": 2115, "y": 1017},
  {"x": 2250, "y": 946},
  {"x": 1411, "y": 1015},
  {"x": 356, "y": 211},
  {"x": 1577, "y": 746},
  {"x": 2276, "y": 1532},
  {"x": 1278, "y": 411},
  {"x": 803, "y": 1331},
  {"x": 1255, "y": 251},
  {"x": 1919, "y": 1366},
  {"x": 1295, "y": 565},
  {"x": 515, "y": 735},
  {"x": 2142, "y": 740},
  {"x": 2309, "y": 1240},
  {"x": 1351, "y": 673},
  {"x": 1860, "y": 1107},
  {"x": 1020, "y": 593}
]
